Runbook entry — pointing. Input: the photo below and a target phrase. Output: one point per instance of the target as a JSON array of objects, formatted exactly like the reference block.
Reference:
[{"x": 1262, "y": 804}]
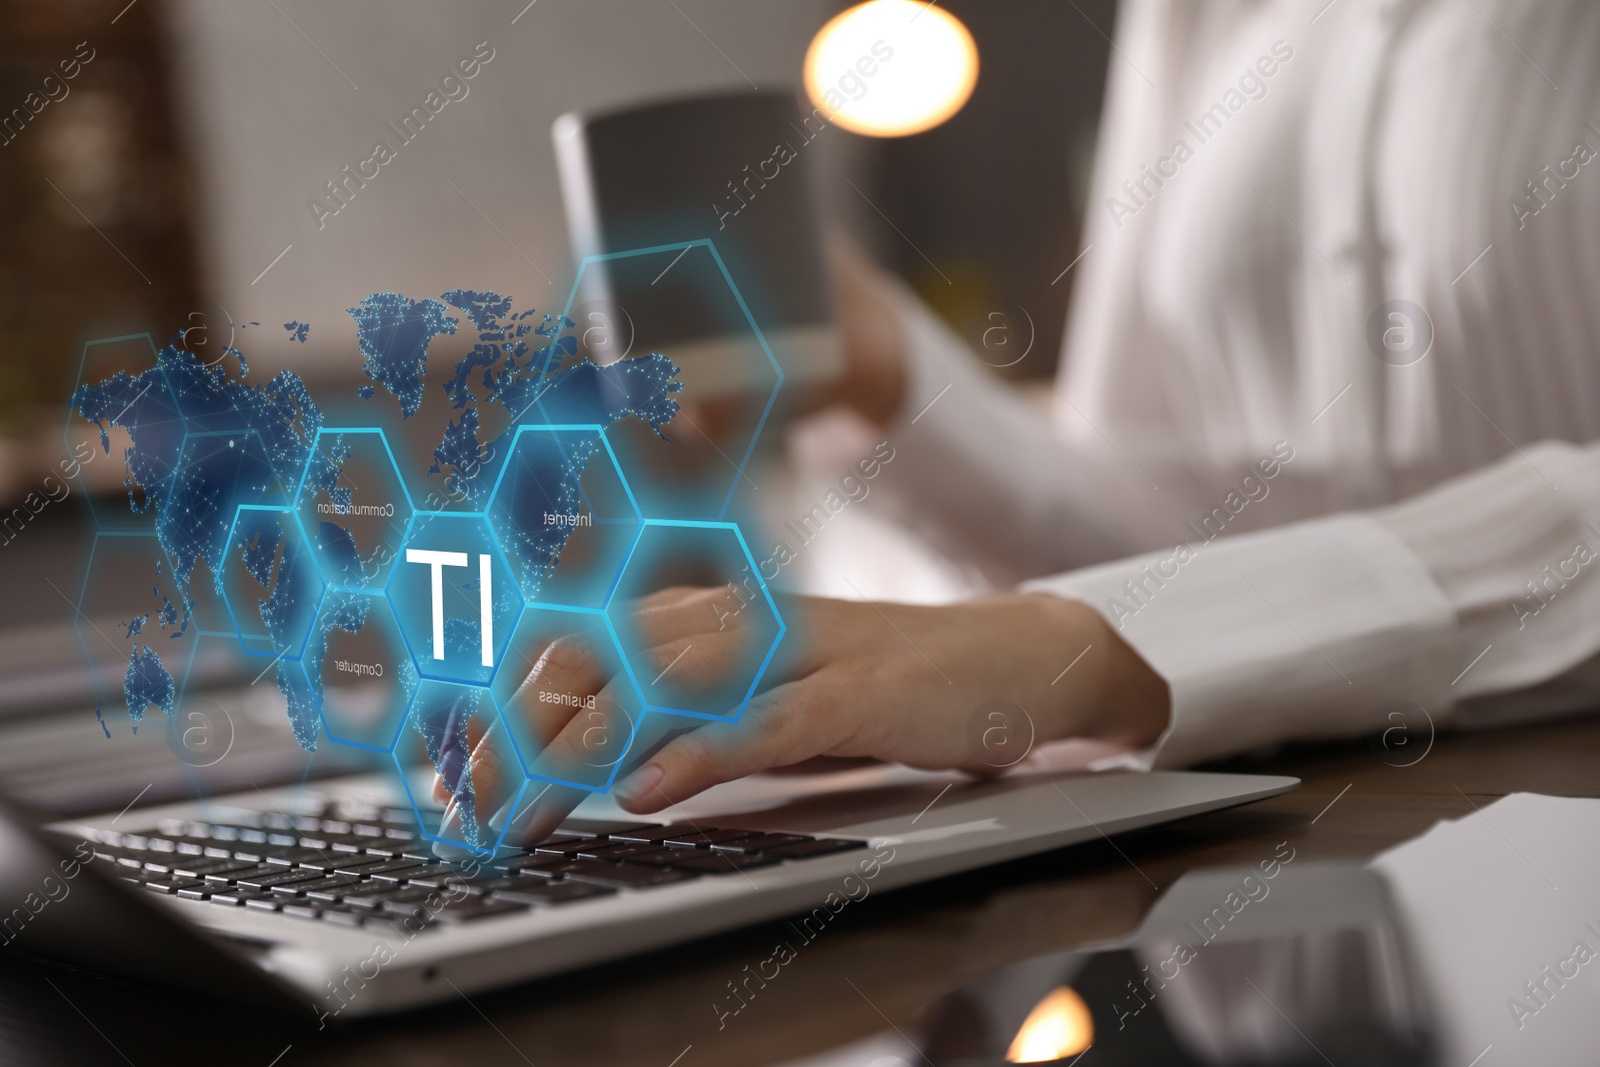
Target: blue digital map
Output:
[{"x": 219, "y": 458}]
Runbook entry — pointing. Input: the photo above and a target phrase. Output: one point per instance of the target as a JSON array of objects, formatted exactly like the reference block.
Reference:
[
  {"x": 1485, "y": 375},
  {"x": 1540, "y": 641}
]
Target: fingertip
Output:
[{"x": 640, "y": 792}]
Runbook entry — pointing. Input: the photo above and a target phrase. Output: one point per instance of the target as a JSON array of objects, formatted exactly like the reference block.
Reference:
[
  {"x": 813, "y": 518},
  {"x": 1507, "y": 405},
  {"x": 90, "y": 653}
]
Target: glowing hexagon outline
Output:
[
  {"x": 305, "y": 472},
  {"x": 222, "y": 588},
  {"x": 494, "y": 491},
  {"x": 494, "y": 540},
  {"x": 322, "y": 717},
  {"x": 72, "y": 415},
  {"x": 744, "y": 308},
  {"x": 622, "y": 655},
  {"x": 405, "y": 779},
  {"x": 766, "y": 661}
]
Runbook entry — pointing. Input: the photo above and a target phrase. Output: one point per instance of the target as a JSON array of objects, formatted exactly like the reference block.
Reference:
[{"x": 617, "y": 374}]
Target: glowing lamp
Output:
[
  {"x": 1058, "y": 1026},
  {"x": 888, "y": 68}
]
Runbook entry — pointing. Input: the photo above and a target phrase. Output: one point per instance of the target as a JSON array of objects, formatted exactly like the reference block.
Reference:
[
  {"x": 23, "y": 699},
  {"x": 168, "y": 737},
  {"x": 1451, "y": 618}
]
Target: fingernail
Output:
[
  {"x": 450, "y": 827},
  {"x": 453, "y": 853},
  {"x": 640, "y": 784}
]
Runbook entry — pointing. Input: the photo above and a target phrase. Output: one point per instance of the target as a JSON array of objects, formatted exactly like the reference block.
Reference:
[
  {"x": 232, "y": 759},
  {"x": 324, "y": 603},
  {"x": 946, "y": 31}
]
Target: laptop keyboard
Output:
[{"x": 376, "y": 872}]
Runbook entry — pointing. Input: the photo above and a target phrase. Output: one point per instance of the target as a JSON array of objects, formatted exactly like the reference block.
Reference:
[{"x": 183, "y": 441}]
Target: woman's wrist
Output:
[{"x": 1116, "y": 696}]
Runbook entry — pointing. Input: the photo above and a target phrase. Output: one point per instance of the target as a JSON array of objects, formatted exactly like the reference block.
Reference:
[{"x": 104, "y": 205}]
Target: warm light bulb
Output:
[
  {"x": 1058, "y": 1026},
  {"x": 888, "y": 68}
]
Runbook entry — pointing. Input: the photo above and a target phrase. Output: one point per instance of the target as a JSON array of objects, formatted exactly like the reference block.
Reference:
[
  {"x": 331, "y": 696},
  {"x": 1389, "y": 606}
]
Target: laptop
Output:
[{"x": 324, "y": 897}]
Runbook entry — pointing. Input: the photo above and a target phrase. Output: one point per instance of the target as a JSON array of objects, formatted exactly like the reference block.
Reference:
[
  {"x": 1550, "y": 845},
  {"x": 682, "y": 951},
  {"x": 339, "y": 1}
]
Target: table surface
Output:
[{"x": 883, "y": 960}]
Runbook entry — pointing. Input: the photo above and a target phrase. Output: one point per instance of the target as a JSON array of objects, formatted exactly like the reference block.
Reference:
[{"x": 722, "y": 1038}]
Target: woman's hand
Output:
[{"x": 888, "y": 681}]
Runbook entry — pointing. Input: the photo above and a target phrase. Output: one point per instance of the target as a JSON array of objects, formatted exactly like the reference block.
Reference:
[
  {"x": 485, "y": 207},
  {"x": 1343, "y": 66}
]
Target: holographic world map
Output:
[{"x": 310, "y": 532}]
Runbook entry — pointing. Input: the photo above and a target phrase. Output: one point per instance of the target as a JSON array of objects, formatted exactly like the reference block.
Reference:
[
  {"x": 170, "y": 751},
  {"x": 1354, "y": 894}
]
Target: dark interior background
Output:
[{"x": 994, "y": 196}]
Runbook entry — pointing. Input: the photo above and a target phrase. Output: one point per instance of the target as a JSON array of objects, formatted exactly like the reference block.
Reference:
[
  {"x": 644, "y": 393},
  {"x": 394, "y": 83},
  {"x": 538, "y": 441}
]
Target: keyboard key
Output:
[
  {"x": 702, "y": 838},
  {"x": 523, "y": 863},
  {"x": 170, "y": 886},
  {"x": 301, "y": 857},
  {"x": 387, "y": 871},
  {"x": 332, "y": 883},
  {"x": 822, "y": 846},
  {"x": 264, "y": 853},
  {"x": 616, "y": 851},
  {"x": 664, "y": 857},
  {"x": 302, "y": 911},
  {"x": 370, "y": 900},
  {"x": 232, "y": 874},
  {"x": 200, "y": 867},
  {"x": 532, "y": 892},
  {"x": 621, "y": 875},
  {"x": 471, "y": 910},
  {"x": 342, "y": 861},
  {"x": 434, "y": 875},
  {"x": 598, "y": 827},
  {"x": 265, "y": 903},
  {"x": 278, "y": 876},
  {"x": 165, "y": 864},
  {"x": 562, "y": 846},
  {"x": 340, "y": 842},
  {"x": 200, "y": 892},
  {"x": 725, "y": 862},
  {"x": 759, "y": 842},
  {"x": 411, "y": 901},
  {"x": 421, "y": 850},
  {"x": 510, "y": 881},
  {"x": 237, "y": 898},
  {"x": 650, "y": 834},
  {"x": 341, "y": 917}
]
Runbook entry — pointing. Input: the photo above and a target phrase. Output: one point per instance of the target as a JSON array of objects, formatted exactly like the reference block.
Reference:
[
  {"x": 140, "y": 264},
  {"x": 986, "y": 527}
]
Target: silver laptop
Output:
[{"x": 323, "y": 898}]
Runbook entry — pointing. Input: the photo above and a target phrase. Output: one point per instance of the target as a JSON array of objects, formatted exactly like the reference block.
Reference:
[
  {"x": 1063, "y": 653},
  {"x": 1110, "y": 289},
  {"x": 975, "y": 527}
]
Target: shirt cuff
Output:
[{"x": 1310, "y": 631}]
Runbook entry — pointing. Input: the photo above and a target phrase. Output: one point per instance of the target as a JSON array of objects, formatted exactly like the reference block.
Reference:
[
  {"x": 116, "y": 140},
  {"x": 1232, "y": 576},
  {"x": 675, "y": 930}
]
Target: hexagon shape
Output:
[
  {"x": 453, "y": 592},
  {"x": 684, "y": 290},
  {"x": 121, "y": 390},
  {"x": 269, "y": 581},
  {"x": 565, "y": 514},
  {"x": 697, "y": 553},
  {"x": 359, "y": 673},
  {"x": 596, "y": 730},
  {"x": 355, "y": 504},
  {"x": 127, "y": 611},
  {"x": 448, "y": 722}
]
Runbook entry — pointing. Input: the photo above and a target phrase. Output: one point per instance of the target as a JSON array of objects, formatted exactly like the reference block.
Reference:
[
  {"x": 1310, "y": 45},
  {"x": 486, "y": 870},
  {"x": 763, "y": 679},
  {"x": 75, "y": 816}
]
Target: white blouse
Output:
[{"x": 1338, "y": 502}]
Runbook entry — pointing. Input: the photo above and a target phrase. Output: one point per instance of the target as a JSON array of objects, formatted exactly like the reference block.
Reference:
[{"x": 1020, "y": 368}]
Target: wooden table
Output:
[{"x": 882, "y": 961}]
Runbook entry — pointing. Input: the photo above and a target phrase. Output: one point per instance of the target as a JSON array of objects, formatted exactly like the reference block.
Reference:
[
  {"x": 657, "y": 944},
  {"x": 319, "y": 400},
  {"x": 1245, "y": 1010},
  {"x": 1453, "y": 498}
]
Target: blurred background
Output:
[
  {"x": 181, "y": 160},
  {"x": 168, "y": 182}
]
